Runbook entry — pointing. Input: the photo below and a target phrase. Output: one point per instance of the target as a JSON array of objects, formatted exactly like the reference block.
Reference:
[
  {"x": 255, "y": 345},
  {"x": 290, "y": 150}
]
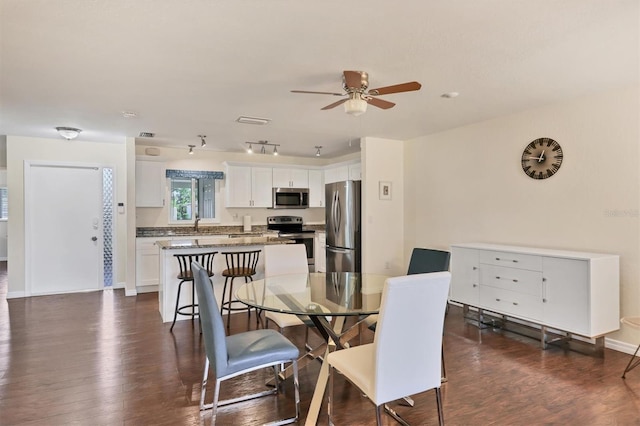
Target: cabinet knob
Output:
[
  {"x": 475, "y": 285},
  {"x": 497, "y": 300},
  {"x": 515, "y": 281},
  {"x": 475, "y": 267},
  {"x": 544, "y": 300},
  {"x": 515, "y": 303},
  {"x": 497, "y": 278}
]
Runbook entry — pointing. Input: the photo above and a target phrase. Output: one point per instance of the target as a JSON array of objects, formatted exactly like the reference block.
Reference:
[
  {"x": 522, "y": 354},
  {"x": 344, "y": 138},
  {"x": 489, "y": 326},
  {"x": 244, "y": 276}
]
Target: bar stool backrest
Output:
[
  {"x": 241, "y": 263},
  {"x": 185, "y": 261}
]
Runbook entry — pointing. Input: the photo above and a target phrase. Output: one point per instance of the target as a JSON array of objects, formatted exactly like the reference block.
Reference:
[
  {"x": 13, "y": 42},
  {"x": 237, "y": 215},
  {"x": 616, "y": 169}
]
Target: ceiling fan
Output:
[{"x": 355, "y": 85}]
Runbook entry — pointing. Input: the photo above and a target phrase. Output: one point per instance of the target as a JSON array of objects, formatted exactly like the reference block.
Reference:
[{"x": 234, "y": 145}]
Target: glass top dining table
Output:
[
  {"x": 318, "y": 296},
  {"x": 316, "y": 293}
]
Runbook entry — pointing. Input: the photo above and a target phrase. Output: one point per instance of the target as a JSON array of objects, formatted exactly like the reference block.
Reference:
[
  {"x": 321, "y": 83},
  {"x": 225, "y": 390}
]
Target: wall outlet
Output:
[{"x": 387, "y": 265}]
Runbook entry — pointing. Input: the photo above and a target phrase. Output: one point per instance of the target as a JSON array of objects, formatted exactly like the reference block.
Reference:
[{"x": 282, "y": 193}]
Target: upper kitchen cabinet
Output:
[
  {"x": 150, "y": 183},
  {"x": 249, "y": 186},
  {"x": 290, "y": 178},
  {"x": 342, "y": 173},
  {"x": 316, "y": 188}
]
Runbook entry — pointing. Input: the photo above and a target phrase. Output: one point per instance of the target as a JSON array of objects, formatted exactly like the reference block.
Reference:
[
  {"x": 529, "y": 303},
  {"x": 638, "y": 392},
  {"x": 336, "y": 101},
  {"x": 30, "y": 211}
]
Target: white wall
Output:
[
  {"x": 20, "y": 149},
  {"x": 213, "y": 161},
  {"x": 467, "y": 185},
  {"x": 383, "y": 220}
]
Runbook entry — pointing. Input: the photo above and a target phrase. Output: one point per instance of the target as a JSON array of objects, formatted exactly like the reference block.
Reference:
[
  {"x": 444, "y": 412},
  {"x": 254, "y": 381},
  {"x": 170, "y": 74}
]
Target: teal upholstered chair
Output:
[{"x": 231, "y": 356}]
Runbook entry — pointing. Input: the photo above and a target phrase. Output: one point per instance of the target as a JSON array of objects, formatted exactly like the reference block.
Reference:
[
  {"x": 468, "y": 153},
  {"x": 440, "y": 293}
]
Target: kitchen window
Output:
[{"x": 193, "y": 195}]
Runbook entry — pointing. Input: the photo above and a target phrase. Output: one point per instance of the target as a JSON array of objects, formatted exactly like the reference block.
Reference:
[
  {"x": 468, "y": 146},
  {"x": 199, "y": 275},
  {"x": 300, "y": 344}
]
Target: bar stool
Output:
[
  {"x": 185, "y": 275},
  {"x": 239, "y": 264}
]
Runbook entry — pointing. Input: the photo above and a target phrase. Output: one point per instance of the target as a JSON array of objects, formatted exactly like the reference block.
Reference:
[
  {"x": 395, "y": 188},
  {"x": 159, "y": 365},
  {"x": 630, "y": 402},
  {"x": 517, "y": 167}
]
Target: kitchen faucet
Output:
[{"x": 195, "y": 226}]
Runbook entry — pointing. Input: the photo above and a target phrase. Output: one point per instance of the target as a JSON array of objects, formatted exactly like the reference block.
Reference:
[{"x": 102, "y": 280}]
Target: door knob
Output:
[{"x": 94, "y": 238}]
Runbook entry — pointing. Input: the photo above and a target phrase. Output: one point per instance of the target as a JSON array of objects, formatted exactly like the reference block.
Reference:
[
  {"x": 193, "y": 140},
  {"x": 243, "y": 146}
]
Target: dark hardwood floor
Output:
[{"x": 106, "y": 359}]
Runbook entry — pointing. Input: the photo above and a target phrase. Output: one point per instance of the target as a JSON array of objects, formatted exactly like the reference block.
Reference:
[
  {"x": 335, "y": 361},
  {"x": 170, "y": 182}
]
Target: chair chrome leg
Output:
[
  {"x": 379, "y": 414},
  {"x": 296, "y": 386},
  {"x": 439, "y": 402},
  {"x": 204, "y": 383},
  {"x": 330, "y": 396}
]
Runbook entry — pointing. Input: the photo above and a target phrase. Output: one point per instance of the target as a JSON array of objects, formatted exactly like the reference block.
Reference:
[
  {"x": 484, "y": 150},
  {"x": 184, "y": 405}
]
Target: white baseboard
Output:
[
  {"x": 617, "y": 345},
  {"x": 130, "y": 292},
  {"x": 16, "y": 294},
  {"x": 147, "y": 289}
]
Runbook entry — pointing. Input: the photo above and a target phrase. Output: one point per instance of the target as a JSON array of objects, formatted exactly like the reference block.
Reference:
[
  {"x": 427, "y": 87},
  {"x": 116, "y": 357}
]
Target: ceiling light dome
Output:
[
  {"x": 355, "y": 106},
  {"x": 68, "y": 132}
]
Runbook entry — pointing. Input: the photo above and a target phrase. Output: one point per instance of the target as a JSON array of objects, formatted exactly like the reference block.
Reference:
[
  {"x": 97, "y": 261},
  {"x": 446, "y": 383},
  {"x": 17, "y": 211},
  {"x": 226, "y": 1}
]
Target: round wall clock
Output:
[{"x": 542, "y": 158}]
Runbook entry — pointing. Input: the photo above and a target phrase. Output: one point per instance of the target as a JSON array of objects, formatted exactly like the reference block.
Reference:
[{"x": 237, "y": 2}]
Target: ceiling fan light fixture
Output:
[
  {"x": 355, "y": 106},
  {"x": 68, "y": 132}
]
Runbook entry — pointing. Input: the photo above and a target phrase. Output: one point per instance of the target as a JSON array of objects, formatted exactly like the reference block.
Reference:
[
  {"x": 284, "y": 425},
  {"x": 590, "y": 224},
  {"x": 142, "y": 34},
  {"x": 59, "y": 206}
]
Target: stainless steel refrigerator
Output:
[{"x": 343, "y": 226}]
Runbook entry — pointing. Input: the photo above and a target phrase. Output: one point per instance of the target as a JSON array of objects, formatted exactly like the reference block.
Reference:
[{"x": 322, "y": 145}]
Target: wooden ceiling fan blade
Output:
[
  {"x": 335, "y": 104},
  {"x": 396, "y": 88},
  {"x": 317, "y": 93},
  {"x": 380, "y": 103},
  {"x": 353, "y": 79}
]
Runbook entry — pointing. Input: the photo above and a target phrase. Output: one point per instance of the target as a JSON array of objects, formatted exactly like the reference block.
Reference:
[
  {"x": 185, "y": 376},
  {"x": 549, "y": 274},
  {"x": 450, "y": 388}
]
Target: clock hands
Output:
[{"x": 540, "y": 158}]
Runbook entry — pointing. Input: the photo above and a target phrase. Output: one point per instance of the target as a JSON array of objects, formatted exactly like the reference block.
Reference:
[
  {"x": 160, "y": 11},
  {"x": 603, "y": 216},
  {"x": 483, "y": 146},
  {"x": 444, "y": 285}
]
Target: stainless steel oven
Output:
[{"x": 291, "y": 227}]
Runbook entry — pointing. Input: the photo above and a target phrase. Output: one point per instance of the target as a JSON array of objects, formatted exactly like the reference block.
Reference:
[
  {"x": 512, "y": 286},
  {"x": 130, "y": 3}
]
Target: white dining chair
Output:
[
  {"x": 285, "y": 259},
  {"x": 397, "y": 364}
]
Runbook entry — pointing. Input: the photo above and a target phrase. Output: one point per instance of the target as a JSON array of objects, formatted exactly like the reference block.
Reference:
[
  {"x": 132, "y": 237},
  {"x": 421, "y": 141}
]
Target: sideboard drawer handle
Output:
[
  {"x": 515, "y": 281},
  {"x": 497, "y": 300},
  {"x": 506, "y": 260},
  {"x": 515, "y": 303}
]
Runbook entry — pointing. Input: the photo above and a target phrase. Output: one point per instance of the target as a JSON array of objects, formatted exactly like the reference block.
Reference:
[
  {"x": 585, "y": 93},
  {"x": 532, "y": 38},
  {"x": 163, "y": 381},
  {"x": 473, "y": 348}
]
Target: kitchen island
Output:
[{"x": 169, "y": 268}]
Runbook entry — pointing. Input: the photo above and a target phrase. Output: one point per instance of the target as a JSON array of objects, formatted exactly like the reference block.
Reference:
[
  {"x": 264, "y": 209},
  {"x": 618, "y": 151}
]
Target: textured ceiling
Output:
[{"x": 190, "y": 67}]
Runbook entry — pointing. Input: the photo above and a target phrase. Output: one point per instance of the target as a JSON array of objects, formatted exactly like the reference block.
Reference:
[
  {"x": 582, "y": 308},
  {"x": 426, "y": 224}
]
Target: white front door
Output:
[{"x": 63, "y": 228}]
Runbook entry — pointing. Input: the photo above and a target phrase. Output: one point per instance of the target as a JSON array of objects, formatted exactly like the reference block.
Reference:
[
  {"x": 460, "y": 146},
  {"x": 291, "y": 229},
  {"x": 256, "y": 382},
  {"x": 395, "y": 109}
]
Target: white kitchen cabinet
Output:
[
  {"x": 316, "y": 188},
  {"x": 575, "y": 292},
  {"x": 343, "y": 172},
  {"x": 320, "y": 252},
  {"x": 147, "y": 264},
  {"x": 336, "y": 174},
  {"x": 355, "y": 171},
  {"x": 248, "y": 186},
  {"x": 150, "y": 183},
  {"x": 290, "y": 178}
]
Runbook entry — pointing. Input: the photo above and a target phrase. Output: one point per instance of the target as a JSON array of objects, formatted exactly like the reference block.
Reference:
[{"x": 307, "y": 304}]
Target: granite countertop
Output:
[
  {"x": 177, "y": 231},
  {"x": 210, "y": 242},
  {"x": 213, "y": 231}
]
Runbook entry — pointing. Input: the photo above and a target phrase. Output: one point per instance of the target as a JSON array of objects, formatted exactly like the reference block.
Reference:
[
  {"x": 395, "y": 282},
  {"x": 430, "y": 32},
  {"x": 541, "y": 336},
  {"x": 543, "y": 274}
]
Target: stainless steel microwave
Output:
[{"x": 290, "y": 198}]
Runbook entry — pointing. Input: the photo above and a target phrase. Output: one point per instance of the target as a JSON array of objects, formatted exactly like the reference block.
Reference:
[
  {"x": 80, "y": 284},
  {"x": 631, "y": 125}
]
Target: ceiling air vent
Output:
[
  {"x": 253, "y": 120},
  {"x": 147, "y": 134}
]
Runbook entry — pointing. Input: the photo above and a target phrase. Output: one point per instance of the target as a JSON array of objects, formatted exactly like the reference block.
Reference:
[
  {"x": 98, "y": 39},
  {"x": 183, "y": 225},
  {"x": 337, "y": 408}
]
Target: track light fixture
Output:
[
  {"x": 204, "y": 143},
  {"x": 191, "y": 149},
  {"x": 318, "y": 150},
  {"x": 263, "y": 145}
]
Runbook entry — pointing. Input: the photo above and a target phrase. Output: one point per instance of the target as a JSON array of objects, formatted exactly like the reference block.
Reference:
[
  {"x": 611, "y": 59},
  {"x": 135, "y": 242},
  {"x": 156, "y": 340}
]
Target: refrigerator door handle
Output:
[
  {"x": 338, "y": 213},
  {"x": 338, "y": 250},
  {"x": 334, "y": 218}
]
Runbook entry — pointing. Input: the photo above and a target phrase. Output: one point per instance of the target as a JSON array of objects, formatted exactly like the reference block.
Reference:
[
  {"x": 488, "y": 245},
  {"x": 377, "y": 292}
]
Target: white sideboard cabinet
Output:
[{"x": 574, "y": 292}]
